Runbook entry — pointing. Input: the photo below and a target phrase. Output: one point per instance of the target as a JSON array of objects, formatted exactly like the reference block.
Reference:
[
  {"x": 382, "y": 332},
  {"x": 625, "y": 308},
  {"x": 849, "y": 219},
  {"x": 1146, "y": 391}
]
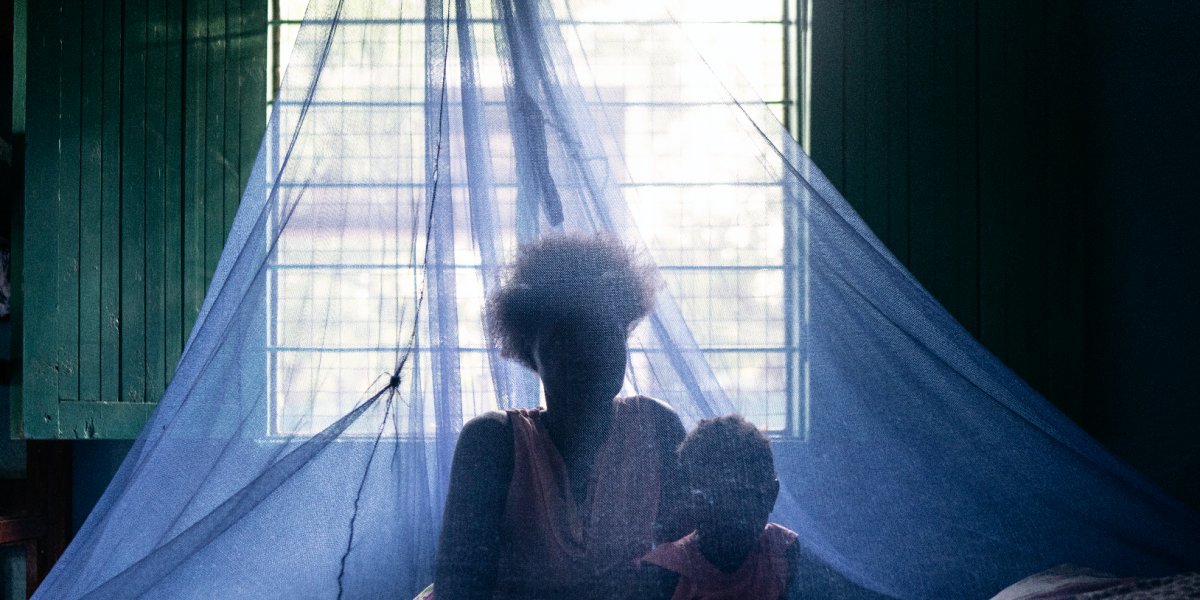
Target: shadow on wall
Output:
[{"x": 94, "y": 463}]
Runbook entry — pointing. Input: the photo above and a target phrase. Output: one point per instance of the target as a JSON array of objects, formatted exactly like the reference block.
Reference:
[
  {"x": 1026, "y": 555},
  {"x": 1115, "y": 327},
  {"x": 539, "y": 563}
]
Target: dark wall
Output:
[
  {"x": 1033, "y": 163},
  {"x": 93, "y": 465},
  {"x": 1143, "y": 284}
]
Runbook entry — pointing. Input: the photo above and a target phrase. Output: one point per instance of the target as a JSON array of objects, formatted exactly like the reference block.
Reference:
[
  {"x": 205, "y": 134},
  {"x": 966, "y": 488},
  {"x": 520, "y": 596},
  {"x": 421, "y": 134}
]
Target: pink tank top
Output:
[
  {"x": 762, "y": 577},
  {"x": 552, "y": 548}
]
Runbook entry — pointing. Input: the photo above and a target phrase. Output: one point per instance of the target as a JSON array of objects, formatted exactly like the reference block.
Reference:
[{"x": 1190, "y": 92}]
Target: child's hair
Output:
[
  {"x": 580, "y": 278},
  {"x": 722, "y": 440}
]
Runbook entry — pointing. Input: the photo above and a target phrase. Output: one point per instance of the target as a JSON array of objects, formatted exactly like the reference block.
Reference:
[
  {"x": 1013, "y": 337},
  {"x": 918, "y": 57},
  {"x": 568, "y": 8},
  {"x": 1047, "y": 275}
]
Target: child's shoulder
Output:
[
  {"x": 779, "y": 540},
  {"x": 674, "y": 556},
  {"x": 777, "y": 531},
  {"x": 660, "y": 569}
]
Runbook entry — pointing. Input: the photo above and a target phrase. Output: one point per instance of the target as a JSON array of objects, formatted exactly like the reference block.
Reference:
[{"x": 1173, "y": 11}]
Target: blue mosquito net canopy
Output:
[{"x": 303, "y": 448}]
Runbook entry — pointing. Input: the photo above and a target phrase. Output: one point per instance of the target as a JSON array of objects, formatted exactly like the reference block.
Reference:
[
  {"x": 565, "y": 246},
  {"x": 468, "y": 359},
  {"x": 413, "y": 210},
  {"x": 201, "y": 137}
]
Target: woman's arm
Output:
[
  {"x": 674, "y": 520},
  {"x": 469, "y": 547}
]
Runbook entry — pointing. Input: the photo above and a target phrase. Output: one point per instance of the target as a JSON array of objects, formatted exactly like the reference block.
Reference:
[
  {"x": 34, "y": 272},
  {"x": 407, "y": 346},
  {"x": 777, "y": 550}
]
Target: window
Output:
[{"x": 729, "y": 252}]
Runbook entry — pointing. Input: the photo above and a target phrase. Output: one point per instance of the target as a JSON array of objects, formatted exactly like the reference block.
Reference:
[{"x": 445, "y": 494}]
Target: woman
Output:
[{"x": 558, "y": 502}]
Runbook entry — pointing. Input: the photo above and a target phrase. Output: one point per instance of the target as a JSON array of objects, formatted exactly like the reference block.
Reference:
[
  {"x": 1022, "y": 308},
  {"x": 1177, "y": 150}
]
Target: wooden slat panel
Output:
[
  {"x": 1013, "y": 185},
  {"x": 966, "y": 172},
  {"x": 232, "y": 188},
  {"x": 39, "y": 362},
  {"x": 942, "y": 135},
  {"x": 827, "y": 89},
  {"x": 156, "y": 189},
  {"x": 214, "y": 137},
  {"x": 922, "y": 120},
  {"x": 1033, "y": 254},
  {"x": 994, "y": 41},
  {"x": 253, "y": 80},
  {"x": 980, "y": 162},
  {"x": 140, "y": 139},
  {"x": 1065, "y": 280},
  {"x": 90, "y": 169},
  {"x": 104, "y": 420},
  {"x": 875, "y": 118},
  {"x": 110, "y": 226},
  {"x": 173, "y": 210},
  {"x": 18, "y": 414},
  {"x": 194, "y": 175},
  {"x": 68, "y": 200},
  {"x": 133, "y": 204},
  {"x": 855, "y": 76},
  {"x": 897, "y": 156}
]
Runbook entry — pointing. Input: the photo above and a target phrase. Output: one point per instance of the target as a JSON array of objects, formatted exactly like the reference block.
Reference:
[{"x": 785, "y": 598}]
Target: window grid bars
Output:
[{"x": 796, "y": 49}]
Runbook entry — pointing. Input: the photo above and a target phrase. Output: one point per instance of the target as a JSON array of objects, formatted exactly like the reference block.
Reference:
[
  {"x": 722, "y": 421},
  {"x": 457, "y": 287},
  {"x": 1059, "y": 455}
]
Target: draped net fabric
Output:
[{"x": 303, "y": 447}]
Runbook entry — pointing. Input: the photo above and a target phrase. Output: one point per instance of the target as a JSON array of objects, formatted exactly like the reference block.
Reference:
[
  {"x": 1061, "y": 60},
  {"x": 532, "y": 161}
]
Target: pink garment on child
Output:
[
  {"x": 763, "y": 576},
  {"x": 552, "y": 547}
]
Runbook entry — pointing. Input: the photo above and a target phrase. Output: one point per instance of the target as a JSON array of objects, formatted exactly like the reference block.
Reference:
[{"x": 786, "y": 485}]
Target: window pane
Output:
[{"x": 715, "y": 228}]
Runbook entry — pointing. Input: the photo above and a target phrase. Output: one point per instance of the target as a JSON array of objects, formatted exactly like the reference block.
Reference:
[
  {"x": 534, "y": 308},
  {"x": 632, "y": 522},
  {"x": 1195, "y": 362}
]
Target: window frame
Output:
[{"x": 794, "y": 110}]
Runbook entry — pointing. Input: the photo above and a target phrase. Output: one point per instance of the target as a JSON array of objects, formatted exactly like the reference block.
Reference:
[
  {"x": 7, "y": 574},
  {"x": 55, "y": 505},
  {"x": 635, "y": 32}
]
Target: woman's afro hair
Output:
[{"x": 585, "y": 279}]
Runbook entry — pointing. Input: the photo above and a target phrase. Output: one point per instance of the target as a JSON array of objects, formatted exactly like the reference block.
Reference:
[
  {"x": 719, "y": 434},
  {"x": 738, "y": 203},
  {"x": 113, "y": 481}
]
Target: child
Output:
[{"x": 734, "y": 552}]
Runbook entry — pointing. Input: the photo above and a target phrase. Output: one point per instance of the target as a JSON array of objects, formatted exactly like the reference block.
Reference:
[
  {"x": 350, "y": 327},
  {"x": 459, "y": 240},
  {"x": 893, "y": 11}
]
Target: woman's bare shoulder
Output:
[
  {"x": 487, "y": 432},
  {"x": 658, "y": 406},
  {"x": 665, "y": 418}
]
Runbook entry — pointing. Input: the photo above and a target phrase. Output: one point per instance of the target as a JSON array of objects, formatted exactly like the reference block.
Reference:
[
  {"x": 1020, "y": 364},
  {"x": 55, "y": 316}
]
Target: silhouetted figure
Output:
[
  {"x": 559, "y": 502},
  {"x": 735, "y": 554}
]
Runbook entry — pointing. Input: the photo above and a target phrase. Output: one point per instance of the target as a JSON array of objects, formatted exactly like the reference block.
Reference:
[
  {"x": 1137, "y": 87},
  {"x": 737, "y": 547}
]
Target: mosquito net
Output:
[{"x": 303, "y": 447}]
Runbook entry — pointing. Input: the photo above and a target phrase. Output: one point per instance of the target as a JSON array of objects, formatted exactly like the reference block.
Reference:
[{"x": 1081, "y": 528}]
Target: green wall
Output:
[
  {"x": 952, "y": 128},
  {"x": 1033, "y": 164},
  {"x": 143, "y": 120}
]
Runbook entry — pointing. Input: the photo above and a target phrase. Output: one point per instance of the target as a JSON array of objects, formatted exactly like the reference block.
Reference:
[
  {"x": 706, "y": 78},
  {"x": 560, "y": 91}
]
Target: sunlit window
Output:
[{"x": 722, "y": 242}]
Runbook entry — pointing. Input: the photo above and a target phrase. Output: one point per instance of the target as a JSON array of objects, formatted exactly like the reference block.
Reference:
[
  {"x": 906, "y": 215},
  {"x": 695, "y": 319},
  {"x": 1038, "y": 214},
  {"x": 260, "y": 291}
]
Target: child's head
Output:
[{"x": 731, "y": 474}]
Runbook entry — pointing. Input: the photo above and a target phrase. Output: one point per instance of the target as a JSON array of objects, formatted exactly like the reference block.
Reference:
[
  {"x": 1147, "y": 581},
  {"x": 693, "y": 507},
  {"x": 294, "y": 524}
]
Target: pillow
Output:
[{"x": 1060, "y": 583}]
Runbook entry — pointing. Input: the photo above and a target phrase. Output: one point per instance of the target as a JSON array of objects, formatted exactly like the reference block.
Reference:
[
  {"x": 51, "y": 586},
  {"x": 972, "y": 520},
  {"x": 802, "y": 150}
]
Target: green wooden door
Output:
[{"x": 143, "y": 121}]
